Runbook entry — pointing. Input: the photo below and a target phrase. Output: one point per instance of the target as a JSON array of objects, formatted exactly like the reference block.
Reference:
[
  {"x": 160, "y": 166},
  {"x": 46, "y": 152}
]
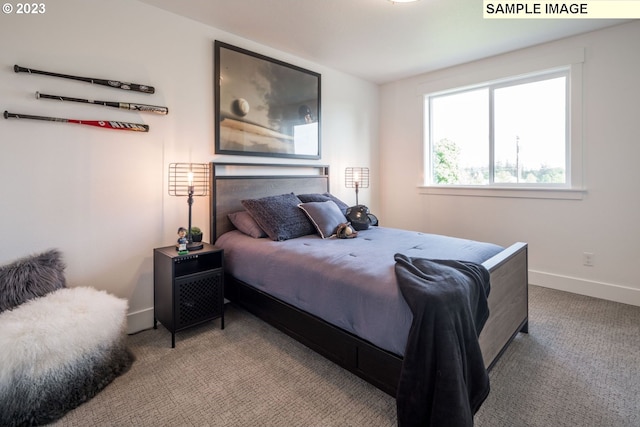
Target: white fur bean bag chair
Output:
[{"x": 58, "y": 351}]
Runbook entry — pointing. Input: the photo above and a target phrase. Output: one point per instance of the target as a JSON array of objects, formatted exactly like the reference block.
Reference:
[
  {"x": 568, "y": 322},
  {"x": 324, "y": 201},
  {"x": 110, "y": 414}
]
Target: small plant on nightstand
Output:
[{"x": 196, "y": 234}]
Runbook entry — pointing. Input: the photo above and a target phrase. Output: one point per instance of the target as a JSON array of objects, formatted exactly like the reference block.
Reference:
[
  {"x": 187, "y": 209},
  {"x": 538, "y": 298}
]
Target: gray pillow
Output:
[
  {"x": 279, "y": 216},
  {"x": 245, "y": 223},
  {"x": 31, "y": 277},
  {"x": 317, "y": 197},
  {"x": 325, "y": 216}
]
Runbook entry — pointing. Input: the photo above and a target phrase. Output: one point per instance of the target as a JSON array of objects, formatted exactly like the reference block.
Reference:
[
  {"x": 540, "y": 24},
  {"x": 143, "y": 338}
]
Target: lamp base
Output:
[{"x": 195, "y": 246}]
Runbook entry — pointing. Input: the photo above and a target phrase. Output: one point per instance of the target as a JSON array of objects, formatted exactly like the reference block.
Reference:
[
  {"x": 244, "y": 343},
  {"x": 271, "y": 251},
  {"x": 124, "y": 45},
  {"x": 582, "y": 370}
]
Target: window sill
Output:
[{"x": 508, "y": 192}]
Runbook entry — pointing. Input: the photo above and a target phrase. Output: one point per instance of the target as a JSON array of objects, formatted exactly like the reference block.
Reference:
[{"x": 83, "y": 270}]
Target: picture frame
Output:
[{"x": 265, "y": 107}]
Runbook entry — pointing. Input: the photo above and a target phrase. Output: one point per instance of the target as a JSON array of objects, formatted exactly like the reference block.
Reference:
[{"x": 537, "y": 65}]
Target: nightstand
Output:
[{"x": 187, "y": 289}]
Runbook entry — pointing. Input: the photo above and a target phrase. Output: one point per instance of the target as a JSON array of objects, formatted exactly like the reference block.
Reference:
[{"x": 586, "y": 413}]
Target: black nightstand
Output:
[{"x": 187, "y": 289}]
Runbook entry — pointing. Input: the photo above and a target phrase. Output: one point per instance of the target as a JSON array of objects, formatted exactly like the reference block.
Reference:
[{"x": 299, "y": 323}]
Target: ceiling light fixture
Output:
[{"x": 402, "y": 1}]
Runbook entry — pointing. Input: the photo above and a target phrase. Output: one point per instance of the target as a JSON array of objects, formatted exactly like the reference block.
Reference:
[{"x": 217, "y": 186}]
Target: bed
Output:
[{"x": 378, "y": 363}]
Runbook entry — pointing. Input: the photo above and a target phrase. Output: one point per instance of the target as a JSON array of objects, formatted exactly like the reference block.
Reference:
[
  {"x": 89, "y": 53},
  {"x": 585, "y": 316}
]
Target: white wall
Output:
[
  {"x": 604, "y": 222},
  {"x": 101, "y": 196}
]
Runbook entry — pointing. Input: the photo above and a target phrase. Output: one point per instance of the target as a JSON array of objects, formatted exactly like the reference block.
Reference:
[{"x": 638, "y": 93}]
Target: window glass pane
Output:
[
  {"x": 530, "y": 133},
  {"x": 459, "y": 129}
]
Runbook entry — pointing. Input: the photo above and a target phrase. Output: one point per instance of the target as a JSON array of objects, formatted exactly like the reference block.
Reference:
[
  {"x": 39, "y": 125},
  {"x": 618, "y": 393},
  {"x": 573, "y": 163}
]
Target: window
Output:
[{"x": 512, "y": 133}]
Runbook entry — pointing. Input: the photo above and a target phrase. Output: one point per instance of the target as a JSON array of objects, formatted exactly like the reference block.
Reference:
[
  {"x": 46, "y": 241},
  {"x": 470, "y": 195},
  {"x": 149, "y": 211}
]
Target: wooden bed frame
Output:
[{"x": 233, "y": 182}]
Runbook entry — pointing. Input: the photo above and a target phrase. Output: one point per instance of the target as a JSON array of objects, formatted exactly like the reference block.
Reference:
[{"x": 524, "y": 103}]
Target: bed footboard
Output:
[{"x": 508, "y": 301}]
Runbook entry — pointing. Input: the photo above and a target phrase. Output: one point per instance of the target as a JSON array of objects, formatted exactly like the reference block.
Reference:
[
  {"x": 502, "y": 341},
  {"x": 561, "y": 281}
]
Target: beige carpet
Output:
[{"x": 579, "y": 366}]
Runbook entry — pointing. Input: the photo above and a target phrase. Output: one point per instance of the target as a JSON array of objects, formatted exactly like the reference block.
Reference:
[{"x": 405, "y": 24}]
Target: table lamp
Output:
[
  {"x": 356, "y": 178},
  {"x": 189, "y": 179}
]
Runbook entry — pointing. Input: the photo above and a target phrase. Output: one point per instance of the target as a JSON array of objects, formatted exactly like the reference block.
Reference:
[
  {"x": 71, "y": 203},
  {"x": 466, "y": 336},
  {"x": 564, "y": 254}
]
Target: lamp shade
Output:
[
  {"x": 356, "y": 177},
  {"x": 185, "y": 175}
]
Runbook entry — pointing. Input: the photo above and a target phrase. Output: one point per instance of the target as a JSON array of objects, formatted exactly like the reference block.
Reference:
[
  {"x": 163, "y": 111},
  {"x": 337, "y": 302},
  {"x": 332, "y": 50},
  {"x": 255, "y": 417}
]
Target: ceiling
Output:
[{"x": 378, "y": 40}]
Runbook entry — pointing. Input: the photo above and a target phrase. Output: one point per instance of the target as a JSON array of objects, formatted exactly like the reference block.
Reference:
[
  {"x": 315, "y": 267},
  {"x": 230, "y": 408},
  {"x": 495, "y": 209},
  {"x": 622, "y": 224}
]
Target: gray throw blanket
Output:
[{"x": 443, "y": 380}]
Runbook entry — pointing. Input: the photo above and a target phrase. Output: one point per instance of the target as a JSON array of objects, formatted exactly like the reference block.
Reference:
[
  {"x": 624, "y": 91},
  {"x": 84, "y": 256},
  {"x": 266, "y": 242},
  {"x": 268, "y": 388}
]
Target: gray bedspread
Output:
[{"x": 350, "y": 283}]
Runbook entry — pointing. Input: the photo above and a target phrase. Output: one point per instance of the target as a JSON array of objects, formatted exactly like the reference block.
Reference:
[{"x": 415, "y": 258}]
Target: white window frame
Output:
[{"x": 574, "y": 186}]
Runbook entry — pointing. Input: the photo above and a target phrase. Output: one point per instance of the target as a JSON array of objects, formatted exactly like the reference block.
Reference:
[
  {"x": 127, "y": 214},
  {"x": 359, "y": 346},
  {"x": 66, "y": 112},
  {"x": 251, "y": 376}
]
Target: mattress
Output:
[{"x": 349, "y": 283}]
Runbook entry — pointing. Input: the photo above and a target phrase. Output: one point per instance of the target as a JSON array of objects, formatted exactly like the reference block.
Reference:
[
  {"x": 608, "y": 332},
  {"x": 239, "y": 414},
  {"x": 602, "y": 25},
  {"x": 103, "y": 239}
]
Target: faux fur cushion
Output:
[
  {"x": 59, "y": 351},
  {"x": 31, "y": 277}
]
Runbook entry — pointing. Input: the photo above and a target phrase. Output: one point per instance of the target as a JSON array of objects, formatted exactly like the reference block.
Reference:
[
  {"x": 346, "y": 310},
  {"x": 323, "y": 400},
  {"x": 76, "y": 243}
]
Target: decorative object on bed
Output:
[
  {"x": 60, "y": 347},
  {"x": 317, "y": 197},
  {"x": 265, "y": 107},
  {"x": 31, "y": 277},
  {"x": 325, "y": 216},
  {"x": 244, "y": 222},
  {"x": 279, "y": 216},
  {"x": 448, "y": 300},
  {"x": 360, "y": 217},
  {"x": 189, "y": 179},
  {"x": 345, "y": 231},
  {"x": 356, "y": 178}
]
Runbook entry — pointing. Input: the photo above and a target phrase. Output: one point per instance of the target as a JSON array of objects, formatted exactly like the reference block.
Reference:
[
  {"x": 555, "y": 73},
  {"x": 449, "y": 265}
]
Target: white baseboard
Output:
[
  {"x": 140, "y": 320},
  {"x": 590, "y": 288}
]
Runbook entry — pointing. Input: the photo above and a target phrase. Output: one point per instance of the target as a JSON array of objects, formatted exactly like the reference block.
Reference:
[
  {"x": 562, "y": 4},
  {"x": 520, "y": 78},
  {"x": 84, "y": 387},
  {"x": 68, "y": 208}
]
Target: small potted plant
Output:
[{"x": 196, "y": 234}]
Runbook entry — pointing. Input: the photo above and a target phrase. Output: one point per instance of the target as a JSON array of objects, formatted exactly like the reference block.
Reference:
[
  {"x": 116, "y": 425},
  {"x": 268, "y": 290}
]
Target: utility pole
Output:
[{"x": 517, "y": 159}]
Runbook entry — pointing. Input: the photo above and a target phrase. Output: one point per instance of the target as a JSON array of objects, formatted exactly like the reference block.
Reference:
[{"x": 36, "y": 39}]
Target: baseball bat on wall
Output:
[
  {"x": 122, "y": 105},
  {"x": 106, "y": 124},
  {"x": 103, "y": 82}
]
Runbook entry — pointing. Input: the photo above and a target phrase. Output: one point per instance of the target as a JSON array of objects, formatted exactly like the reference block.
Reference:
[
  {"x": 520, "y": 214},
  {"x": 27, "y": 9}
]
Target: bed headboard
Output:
[{"x": 233, "y": 182}]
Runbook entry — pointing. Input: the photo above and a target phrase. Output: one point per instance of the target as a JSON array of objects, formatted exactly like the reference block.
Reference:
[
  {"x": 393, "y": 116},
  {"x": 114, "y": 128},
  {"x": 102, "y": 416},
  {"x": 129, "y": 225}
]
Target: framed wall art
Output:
[{"x": 265, "y": 107}]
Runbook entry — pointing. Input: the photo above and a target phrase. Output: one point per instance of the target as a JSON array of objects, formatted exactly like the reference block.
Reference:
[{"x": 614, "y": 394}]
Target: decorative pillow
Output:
[
  {"x": 245, "y": 223},
  {"x": 31, "y": 277},
  {"x": 317, "y": 197},
  {"x": 279, "y": 216},
  {"x": 325, "y": 216}
]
